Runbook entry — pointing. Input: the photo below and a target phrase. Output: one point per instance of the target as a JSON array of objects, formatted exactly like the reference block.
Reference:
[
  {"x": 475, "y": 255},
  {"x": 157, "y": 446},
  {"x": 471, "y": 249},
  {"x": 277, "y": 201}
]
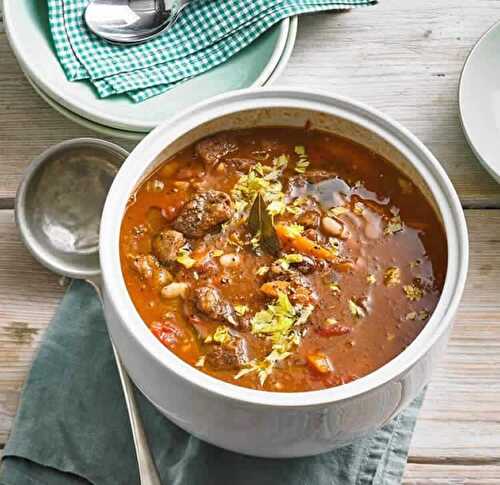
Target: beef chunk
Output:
[
  {"x": 209, "y": 301},
  {"x": 214, "y": 148},
  {"x": 204, "y": 212},
  {"x": 166, "y": 245},
  {"x": 300, "y": 290},
  {"x": 150, "y": 269},
  {"x": 227, "y": 357},
  {"x": 306, "y": 266},
  {"x": 310, "y": 219},
  {"x": 241, "y": 164}
]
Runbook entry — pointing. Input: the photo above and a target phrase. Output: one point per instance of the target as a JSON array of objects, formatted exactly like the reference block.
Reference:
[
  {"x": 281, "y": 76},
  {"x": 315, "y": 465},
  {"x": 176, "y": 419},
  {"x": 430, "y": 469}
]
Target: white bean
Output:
[
  {"x": 229, "y": 260},
  {"x": 174, "y": 290},
  {"x": 331, "y": 227}
]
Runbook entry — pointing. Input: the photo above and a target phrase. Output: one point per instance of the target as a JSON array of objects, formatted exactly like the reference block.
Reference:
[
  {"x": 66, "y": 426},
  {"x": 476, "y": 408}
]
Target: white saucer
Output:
[
  {"x": 479, "y": 100},
  {"x": 28, "y": 32},
  {"x": 137, "y": 136}
]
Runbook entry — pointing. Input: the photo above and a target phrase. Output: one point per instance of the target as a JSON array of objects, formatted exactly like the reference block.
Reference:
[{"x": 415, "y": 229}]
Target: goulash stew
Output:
[{"x": 282, "y": 259}]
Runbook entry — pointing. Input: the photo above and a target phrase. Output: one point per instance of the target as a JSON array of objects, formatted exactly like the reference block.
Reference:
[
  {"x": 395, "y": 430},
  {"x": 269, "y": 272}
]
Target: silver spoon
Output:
[
  {"x": 58, "y": 211},
  {"x": 131, "y": 21}
]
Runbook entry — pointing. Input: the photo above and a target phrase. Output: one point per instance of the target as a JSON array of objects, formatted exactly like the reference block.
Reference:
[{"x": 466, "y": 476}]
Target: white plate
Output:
[
  {"x": 28, "y": 32},
  {"x": 479, "y": 99},
  {"x": 137, "y": 136}
]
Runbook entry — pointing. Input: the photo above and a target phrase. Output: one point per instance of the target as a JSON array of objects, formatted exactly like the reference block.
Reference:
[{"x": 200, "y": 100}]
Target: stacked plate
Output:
[{"x": 28, "y": 31}]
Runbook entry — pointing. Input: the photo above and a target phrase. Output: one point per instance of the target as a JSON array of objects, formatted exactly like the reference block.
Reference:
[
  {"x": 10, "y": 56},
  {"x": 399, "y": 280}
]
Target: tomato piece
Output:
[
  {"x": 333, "y": 330},
  {"x": 167, "y": 333}
]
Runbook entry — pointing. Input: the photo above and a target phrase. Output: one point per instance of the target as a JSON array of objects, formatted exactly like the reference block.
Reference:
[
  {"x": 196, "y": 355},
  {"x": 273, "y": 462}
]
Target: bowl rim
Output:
[{"x": 396, "y": 135}]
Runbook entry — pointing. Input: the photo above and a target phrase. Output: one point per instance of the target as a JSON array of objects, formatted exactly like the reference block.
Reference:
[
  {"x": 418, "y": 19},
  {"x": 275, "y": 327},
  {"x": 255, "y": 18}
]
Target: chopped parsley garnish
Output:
[
  {"x": 264, "y": 180},
  {"x": 413, "y": 293},
  {"x": 421, "y": 315},
  {"x": 359, "y": 207},
  {"x": 222, "y": 335},
  {"x": 241, "y": 309},
  {"x": 184, "y": 258},
  {"x": 394, "y": 225},
  {"x": 335, "y": 287},
  {"x": 297, "y": 206},
  {"x": 392, "y": 276},
  {"x": 356, "y": 310},
  {"x": 288, "y": 259},
  {"x": 295, "y": 230},
  {"x": 303, "y": 162},
  {"x": 262, "y": 270},
  {"x": 280, "y": 322}
]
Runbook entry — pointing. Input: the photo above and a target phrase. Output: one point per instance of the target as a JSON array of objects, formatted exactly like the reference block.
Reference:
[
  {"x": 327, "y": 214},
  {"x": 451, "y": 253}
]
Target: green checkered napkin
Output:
[{"x": 207, "y": 34}]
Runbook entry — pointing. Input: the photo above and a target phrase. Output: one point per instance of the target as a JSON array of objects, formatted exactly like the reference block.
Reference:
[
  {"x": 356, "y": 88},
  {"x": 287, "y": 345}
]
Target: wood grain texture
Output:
[
  {"x": 420, "y": 474},
  {"x": 401, "y": 57}
]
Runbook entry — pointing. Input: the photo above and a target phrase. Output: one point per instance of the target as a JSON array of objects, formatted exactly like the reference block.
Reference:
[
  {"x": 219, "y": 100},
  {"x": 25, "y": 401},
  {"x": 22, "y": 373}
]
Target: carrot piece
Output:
[
  {"x": 320, "y": 363},
  {"x": 303, "y": 244},
  {"x": 273, "y": 288}
]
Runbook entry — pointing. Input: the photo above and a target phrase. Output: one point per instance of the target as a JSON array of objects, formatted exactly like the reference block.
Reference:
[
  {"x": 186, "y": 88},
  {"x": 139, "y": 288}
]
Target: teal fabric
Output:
[
  {"x": 207, "y": 33},
  {"x": 72, "y": 426}
]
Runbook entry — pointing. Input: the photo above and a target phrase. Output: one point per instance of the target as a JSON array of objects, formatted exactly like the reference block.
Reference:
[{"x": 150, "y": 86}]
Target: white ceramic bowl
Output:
[
  {"x": 271, "y": 424},
  {"x": 479, "y": 100}
]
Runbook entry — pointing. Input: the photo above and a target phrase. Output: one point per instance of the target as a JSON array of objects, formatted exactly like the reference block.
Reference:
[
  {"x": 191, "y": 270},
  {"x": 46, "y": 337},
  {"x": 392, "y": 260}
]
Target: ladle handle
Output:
[
  {"x": 148, "y": 472},
  {"x": 147, "y": 469}
]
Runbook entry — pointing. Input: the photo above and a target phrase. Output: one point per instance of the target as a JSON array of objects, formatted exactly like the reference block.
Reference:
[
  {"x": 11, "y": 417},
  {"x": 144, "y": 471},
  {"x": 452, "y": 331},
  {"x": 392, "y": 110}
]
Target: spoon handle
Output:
[
  {"x": 148, "y": 472},
  {"x": 147, "y": 469}
]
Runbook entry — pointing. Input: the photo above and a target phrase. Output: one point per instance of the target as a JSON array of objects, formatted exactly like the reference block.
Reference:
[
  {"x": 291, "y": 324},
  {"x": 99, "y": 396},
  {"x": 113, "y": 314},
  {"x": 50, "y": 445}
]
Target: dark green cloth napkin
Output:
[{"x": 72, "y": 425}]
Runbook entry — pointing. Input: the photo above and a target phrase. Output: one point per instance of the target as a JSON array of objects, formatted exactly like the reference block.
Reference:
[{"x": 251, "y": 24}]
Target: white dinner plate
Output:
[
  {"x": 29, "y": 36},
  {"x": 479, "y": 99},
  {"x": 137, "y": 136}
]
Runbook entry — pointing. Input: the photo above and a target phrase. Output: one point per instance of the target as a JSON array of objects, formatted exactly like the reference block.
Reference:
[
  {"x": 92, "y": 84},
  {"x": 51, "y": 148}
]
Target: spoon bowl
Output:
[
  {"x": 60, "y": 201},
  {"x": 131, "y": 21},
  {"x": 58, "y": 212}
]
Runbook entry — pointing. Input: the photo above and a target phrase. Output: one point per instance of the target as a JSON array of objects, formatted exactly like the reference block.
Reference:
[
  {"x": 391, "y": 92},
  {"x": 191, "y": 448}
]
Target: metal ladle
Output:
[
  {"x": 58, "y": 212},
  {"x": 131, "y": 21}
]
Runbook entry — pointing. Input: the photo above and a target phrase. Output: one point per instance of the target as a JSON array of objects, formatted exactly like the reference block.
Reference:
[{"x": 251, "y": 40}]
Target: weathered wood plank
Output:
[
  {"x": 28, "y": 125},
  {"x": 29, "y": 295},
  {"x": 461, "y": 414},
  {"x": 403, "y": 59},
  {"x": 460, "y": 417},
  {"x": 419, "y": 474}
]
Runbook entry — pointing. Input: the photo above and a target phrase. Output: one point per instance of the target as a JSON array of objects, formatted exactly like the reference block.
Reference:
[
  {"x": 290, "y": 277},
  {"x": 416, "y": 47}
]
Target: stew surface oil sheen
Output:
[{"x": 340, "y": 274}]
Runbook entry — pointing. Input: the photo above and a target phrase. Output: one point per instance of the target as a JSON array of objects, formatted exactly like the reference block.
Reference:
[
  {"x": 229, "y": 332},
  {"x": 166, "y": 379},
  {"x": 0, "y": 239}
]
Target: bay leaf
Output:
[{"x": 260, "y": 223}]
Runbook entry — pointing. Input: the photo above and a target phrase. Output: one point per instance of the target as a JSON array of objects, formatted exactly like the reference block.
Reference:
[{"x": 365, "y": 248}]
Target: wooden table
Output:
[{"x": 401, "y": 57}]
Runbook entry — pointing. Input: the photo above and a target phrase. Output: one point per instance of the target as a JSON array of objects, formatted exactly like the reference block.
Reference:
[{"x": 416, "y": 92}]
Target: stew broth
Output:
[{"x": 358, "y": 270}]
